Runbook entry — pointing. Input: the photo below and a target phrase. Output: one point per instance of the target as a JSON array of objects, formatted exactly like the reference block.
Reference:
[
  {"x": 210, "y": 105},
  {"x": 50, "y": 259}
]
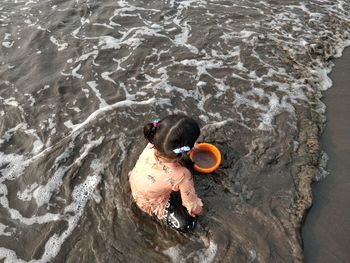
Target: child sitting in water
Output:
[{"x": 159, "y": 182}]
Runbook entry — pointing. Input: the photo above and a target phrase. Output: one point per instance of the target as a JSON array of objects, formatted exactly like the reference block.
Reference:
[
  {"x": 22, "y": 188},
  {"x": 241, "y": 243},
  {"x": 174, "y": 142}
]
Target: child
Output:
[{"x": 159, "y": 182}]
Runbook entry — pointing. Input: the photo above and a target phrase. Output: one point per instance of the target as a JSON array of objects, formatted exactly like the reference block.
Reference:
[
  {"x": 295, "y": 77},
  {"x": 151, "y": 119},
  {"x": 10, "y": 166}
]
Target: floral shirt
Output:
[{"x": 152, "y": 182}]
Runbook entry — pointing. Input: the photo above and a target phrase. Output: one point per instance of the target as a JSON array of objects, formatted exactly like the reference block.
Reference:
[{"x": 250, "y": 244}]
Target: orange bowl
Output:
[{"x": 206, "y": 157}]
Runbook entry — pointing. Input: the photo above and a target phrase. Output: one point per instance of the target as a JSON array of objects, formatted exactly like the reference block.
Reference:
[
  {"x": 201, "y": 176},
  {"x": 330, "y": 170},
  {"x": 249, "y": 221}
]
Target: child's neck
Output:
[{"x": 163, "y": 159}]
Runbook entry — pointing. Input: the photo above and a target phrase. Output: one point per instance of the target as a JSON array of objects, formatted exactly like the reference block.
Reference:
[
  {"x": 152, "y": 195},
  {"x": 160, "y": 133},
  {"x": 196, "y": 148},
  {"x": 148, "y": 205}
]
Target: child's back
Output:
[
  {"x": 158, "y": 175},
  {"x": 152, "y": 182}
]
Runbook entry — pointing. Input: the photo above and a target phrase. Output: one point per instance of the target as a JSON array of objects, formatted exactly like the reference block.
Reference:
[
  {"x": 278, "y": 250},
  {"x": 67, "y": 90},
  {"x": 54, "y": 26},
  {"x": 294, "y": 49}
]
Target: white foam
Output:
[
  {"x": 75, "y": 72},
  {"x": 9, "y": 256},
  {"x": 110, "y": 26},
  {"x": 59, "y": 45},
  {"x": 16, "y": 215},
  {"x": 76, "y": 109},
  {"x": 87, "y": 92},
  {"x": 10, "y": 132},
  {"x": 252, "y": 255},
  {"x": 37, "y": 144},
  {"x": 174, "y": 254},
  {"x": 81, "y": 194},
  {"x": 84, "y": 57},
  {"x": 204, "y": 255},
  {"x": 340, "y": 47},
  {"x": 43, "y": 193},
  {"x": 13, "y": 166},
  {"x": 181, "y": 39},
  {"x": 42, "y": 89},
  {"x": 105, "y": 76},
  {"x": 322, "y": 167},
  {"x": 11, "y": 102},
  {"x": 109, "y": 42},
  {"x": 30, "y": 99},
  {"x": 207, "y": 255},
  {"x": 51, "y": 123},
  {"x": 27, "y": 194},
  {"x": 119, "y": 104},
  {"x": 4, "y": 230},
  {"x": 69, "y": 124},
  {"x": 8, "y": 42},
  {"x": 97, "y": 168},
  {"x": 323, "y": 78}
]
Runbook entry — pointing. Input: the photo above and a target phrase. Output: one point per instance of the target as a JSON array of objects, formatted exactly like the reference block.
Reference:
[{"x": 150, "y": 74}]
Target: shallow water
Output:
[
  {"x": 204, "y": 159},
  {"x": 78, "y": 79}
]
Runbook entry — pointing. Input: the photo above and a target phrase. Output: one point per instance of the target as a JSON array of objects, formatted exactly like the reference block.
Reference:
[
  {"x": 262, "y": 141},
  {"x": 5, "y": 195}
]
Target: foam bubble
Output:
[
  {"x": 322, "y": 167},
  {"x": 8, "y": 42},
  {"x": 323, "y": 79},
  {"x": 11, "y": 102},
  {"x": 75, "y": 72},
  {"x": 204, "y": 255},
  {"x": 4, "y": 230},
  {"x": 27, "y": 194},
  {"x": 174, "y": 254},
  {"x": 9, "y": 256},
  {"x": 59, "y": 45},
  {"x": 93, "y": 85},
  {"x": 12, "y": 165},
  {"x": 207, "y": 255}
]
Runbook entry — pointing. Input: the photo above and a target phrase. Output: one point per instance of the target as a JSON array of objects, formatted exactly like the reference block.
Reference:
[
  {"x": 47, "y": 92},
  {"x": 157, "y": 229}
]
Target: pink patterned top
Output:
[{"x": 152, "y": 182}]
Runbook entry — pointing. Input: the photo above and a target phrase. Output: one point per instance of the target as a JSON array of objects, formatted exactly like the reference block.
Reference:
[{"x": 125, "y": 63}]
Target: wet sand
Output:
[{"x": 326, "y": 231}]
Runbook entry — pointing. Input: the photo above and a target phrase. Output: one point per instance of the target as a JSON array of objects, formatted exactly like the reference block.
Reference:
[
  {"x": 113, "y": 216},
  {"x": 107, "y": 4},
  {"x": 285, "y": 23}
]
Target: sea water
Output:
[{"x": 78, "y": 79}]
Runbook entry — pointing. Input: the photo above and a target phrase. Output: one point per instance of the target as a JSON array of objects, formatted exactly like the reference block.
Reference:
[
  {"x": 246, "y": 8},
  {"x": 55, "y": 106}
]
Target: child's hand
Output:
[{"x": 196, "y": 211}]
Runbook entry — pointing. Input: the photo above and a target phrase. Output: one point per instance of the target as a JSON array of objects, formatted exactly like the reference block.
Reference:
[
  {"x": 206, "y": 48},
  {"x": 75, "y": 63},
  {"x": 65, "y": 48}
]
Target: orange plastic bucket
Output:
[{"x": 206, "y": 157}]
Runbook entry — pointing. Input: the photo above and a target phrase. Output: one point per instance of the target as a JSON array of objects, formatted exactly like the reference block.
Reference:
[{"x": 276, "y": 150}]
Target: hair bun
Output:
[{"x": 149, "y": 131}]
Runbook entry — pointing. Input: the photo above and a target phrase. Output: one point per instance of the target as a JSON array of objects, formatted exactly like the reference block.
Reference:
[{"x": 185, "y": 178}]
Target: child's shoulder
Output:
[
  {"x": 149, "y": 146},
  {"x": 182, "y": 172},
  {"x": 149, "y": 149},
  {"x": 147, "y": 155}
]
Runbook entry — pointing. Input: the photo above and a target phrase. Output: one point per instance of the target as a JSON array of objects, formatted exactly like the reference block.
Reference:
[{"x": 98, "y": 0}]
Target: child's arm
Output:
[{"x": 189, "y": 196}]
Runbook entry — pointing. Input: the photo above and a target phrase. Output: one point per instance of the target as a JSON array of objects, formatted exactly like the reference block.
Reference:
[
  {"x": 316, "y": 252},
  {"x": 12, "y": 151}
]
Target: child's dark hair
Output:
[{"x": 172, "y": 132}]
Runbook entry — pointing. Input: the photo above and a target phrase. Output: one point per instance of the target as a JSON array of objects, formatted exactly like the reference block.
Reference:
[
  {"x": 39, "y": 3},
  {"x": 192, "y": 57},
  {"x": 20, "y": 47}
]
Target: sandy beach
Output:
[{"x": 327, "y": 226}]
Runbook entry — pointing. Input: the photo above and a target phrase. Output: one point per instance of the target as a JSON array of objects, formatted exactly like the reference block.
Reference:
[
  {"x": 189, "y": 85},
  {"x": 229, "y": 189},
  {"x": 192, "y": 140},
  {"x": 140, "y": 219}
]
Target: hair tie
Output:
[
  {"x": 155, "y": 123},
  {"x": 182, "y": 150}
]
